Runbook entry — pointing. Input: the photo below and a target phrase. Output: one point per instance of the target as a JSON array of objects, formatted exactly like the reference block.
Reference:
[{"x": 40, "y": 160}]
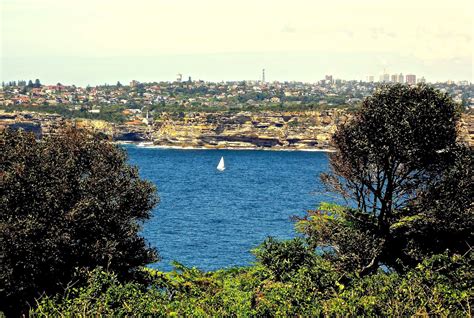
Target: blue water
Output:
[{"x": 212, "y": 219}]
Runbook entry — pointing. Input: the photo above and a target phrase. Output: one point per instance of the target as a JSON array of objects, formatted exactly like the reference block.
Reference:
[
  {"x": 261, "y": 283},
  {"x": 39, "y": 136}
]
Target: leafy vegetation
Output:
[
  {"x": 439, "y": 286},
  {"x": 401, "y": 247},
  {"x": 237, "y": 107},
  {"x": 111, "y": 113},
  {"x": 69, "y": 203},
  {"x": 397, "y": 160}
]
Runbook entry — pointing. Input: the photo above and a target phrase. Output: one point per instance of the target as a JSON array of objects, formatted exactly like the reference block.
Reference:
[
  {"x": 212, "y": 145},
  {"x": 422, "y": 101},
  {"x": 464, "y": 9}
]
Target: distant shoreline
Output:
[{"x": 153, "y": 146}]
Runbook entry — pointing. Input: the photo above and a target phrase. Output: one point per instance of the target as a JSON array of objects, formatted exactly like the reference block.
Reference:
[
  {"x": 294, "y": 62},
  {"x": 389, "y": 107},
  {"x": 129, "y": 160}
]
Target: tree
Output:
[
  {"x": 441, "y": 218},
  {"x": 400, "y": 147},
  {"x": 69, "y": 203},
  {"x": 30, "y": 84},
  {"x": 37, "y": 83}
]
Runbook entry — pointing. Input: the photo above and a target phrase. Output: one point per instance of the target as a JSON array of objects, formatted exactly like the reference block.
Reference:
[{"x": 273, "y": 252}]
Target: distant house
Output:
[
  {"x": 135, "y": 122},
  {"x": 130, "y": 111},
  {"x": 353, "y": 100}
]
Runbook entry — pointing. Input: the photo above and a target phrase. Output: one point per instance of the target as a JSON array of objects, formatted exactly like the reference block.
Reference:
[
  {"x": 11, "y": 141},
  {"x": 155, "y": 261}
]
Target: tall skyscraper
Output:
[
  {"x": 385, "y": 77},
  {"x": 394, "y": 78},
  {"x": 263, "y": 76},
  {"x": 400, "y": 78},
  {"x": 410, "y": 79}
]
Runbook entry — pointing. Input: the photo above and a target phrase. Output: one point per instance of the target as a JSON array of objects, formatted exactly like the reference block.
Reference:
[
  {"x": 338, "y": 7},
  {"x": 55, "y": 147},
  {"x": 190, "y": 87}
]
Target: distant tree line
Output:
[
  {"x": 110, "y": 114},
  {"x": 22, "y": 83}
]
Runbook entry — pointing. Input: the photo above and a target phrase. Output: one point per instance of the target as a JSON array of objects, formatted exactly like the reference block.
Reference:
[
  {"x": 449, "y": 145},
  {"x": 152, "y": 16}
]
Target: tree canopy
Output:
[
  {"x": 70, "y": 202},
  {"x": 399, "y": 164}
]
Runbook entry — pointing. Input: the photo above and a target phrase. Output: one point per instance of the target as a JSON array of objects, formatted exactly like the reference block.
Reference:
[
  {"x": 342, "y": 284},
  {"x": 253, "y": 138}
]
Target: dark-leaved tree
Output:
[
  {"x": 440, "y": 218},
  {"x": 69, "y": 203},
  {"x": 37, "y": 83},
  {"x": 407, "y": 178}
]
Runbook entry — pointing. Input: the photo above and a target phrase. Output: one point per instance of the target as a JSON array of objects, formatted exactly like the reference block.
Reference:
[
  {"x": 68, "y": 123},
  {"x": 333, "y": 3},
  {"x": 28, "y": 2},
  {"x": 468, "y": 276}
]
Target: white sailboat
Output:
[{"x": 221, "y": 165}]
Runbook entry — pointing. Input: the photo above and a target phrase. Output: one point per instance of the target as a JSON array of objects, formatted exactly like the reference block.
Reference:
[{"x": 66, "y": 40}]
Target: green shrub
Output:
[
  {"x": 440, "y": 286},
  {"x": 69, "y": 203}
]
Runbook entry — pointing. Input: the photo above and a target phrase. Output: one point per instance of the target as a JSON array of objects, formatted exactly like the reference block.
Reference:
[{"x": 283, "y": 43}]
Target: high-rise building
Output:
[
  {"x": 370, "y": 79},
  {"x": 385, "y": 77},
  {"x": 410, "y": 79},
  {"x": 263, "y": 76},
  {"x": 400, "y": 78},
  {"x": 394, "y": 78},
  {"x": 421, "y": 80},
  {"x": 328, "y": 78}
]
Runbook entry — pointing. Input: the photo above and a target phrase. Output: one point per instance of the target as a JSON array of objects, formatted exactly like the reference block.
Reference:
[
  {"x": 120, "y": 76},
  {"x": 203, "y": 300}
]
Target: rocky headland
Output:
[
  {"x": 265, "y": 130},
  {"x": 308, "y": 130}
]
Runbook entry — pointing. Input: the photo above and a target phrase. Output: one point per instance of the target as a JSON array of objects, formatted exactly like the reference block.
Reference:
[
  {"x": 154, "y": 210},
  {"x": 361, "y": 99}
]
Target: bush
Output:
[
  {"x": 69, "y": 203},
  {"x": 400, "y": 146},
  {"x": 440, "y": 286},
  {"x": 283, "y": 258}
]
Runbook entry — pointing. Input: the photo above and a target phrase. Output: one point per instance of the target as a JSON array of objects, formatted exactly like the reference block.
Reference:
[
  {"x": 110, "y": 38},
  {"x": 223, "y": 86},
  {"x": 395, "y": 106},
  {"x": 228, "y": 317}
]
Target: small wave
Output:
[{"x": 151, "y": 145}]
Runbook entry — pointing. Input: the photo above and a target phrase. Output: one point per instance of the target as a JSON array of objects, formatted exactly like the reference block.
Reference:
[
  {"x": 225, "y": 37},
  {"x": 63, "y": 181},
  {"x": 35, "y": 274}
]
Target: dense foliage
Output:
[
  {"x": 111, "y": 113},
  {"x": 69, "y": 202},
  {"x": 410, "y": 180},
  {"x": 439, "y": 286}
]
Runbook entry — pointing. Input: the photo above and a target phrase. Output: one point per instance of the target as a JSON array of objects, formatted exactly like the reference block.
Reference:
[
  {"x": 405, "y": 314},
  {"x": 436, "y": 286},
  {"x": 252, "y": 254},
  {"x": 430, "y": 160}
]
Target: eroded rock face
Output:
[
  {"x": 265, "y": 130},
  {"x": 285, "y": 130},
  {"x": 276, "y": 130}
]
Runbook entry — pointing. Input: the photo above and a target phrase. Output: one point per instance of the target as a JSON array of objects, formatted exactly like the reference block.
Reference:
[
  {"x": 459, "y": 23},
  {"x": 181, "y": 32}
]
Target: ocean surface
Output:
[{"x": 211, "y": 219}]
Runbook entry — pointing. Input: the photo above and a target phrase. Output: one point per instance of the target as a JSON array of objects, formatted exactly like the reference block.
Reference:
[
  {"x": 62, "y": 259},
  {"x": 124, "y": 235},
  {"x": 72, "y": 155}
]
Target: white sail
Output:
[{"x": 221, "y": 166}]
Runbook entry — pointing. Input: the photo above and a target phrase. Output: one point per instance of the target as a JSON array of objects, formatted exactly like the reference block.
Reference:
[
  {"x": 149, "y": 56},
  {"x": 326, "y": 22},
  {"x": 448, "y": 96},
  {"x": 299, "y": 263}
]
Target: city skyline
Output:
[
  {"x": 383, "y": 77},
  {"x": 180, "y": 78},
  {"x": 92, "y": 42}
]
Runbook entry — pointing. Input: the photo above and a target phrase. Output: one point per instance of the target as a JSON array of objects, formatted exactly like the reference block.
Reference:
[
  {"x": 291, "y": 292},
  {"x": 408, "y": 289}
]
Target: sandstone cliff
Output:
[
  {"x": 276, "y": 130},
  {"x": 264, "y": 130}
]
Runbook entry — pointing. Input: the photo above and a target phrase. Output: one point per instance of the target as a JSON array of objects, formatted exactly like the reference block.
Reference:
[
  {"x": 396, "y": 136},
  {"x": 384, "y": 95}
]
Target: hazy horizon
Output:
[{"x": 90, "y": 42}]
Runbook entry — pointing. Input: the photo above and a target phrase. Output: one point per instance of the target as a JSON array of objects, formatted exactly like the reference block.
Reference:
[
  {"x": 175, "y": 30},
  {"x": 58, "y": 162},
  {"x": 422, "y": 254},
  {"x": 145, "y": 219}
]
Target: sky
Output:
[{"x": 104, "y": 41}]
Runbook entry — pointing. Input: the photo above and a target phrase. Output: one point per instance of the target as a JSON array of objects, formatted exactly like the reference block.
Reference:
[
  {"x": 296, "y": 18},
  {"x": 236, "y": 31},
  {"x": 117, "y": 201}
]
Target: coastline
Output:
[{"x": 154, "y": 146}]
